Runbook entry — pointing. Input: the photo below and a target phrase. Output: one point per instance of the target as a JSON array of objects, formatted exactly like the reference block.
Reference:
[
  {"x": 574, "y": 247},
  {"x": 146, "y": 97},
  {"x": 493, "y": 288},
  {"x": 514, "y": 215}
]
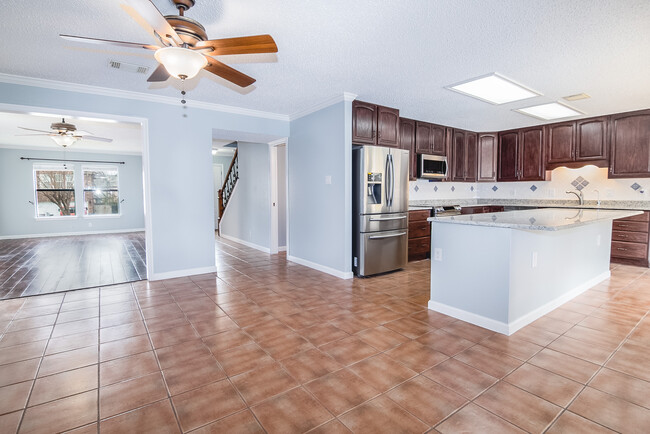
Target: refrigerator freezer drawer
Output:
[
  {"x": 383, "y": 222},
  {"x": 382, "y": 251}
]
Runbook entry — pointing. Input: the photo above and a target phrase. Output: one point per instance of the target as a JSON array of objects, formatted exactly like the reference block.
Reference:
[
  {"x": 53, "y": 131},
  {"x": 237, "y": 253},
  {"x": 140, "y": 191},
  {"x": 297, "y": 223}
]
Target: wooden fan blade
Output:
[
  {"x": 98, "y": 139},
  {"x": 226, "y": 72},
  {"x": 242, "y": 45},
  {"x": 160, "y": 74},
  {"x": 108, "y": 42},
  {"x": 38, "y": 131},
  {"x": 148, "y": 12}
]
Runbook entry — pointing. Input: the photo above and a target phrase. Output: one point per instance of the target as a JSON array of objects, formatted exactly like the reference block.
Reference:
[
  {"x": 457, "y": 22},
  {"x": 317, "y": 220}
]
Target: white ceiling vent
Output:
[{"x": 128, "y": 67}]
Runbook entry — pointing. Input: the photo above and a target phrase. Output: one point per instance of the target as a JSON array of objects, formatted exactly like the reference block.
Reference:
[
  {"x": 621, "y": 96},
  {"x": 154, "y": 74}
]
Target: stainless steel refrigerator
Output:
[{"x": 380, "y": 179}]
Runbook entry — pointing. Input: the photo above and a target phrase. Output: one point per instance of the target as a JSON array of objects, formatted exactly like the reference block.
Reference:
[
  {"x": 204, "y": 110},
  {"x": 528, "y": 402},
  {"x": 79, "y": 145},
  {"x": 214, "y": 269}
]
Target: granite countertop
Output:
[
  {"x": 545, "y": 203},
  {"x": 547, "y": 219}
]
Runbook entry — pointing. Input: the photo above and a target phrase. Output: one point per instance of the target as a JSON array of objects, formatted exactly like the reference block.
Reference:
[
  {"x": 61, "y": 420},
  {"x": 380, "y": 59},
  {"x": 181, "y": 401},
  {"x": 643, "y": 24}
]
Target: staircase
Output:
[{"x": 228, "y": 185}]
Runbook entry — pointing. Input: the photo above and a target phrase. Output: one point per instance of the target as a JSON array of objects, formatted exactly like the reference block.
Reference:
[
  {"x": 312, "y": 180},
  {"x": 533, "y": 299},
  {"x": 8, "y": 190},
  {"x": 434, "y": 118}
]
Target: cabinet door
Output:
[
  {"x": 561, "y": 142},
  {"x": 438, "y": 140},
  {"x": 531, "y": 154},
  {"x": 423, "y": 137},
  {"x": 458, "y": 156},
  {"x": 470, "y": 156},
  {"x": 507, "y": 158},
  {"x": 387, "y": 127},
  {"x": 407, "y": 141},
  {"x": 630, "y": 145},
  {"x": 364, "y": 123},
  {"x": 487, "y": 157},
  {"x": 591, "y": 139}
]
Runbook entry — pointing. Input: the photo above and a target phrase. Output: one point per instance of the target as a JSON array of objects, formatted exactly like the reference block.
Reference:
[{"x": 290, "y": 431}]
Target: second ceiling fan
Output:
[{"x": 185, "y": 48}]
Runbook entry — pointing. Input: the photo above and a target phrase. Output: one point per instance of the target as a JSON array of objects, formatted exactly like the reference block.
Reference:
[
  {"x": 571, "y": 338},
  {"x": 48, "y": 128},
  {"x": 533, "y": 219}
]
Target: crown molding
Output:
[
  {"x": 127, "y": 94},
  {"x": 345, "y": 96}
]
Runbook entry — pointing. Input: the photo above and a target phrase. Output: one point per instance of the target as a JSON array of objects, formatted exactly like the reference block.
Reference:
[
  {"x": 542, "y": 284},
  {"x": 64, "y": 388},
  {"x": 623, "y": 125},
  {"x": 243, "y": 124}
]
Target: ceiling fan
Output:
[
  {"x": 65, "y": 134},
  {"x": 184, "y": 45}
]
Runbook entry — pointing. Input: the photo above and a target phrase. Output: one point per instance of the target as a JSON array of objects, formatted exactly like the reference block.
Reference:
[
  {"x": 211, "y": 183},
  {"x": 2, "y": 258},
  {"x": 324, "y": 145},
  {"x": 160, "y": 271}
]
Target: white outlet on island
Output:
[{"x": 437, "y": 254}]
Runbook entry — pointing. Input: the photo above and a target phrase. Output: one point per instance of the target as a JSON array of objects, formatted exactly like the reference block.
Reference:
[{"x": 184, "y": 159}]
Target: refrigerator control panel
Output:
[{"x": 374, "y": 176}]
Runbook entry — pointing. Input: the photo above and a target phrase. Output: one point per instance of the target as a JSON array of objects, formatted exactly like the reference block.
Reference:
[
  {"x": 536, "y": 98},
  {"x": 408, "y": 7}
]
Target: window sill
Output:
[{"x": 70, "y": 217}]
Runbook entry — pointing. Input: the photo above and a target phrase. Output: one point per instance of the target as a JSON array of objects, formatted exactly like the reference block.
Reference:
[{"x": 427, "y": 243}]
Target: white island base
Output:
[{"x": 487, "y": 271}]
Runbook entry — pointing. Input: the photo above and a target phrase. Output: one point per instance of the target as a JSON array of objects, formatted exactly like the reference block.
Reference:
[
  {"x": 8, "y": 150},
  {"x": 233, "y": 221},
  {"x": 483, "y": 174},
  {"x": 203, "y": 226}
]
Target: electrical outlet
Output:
[
  {"x": 534, "y": 260},
  {"x": 437, "y": 254},
  {"x": 328, "y": 179}
]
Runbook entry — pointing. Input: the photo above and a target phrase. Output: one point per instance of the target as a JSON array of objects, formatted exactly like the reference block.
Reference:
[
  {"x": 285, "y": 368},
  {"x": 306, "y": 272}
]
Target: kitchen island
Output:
[{"x": 502, "y": 271}]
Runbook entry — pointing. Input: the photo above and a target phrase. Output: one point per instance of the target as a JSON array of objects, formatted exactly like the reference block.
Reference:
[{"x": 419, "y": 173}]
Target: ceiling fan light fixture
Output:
[
  {"x": 64, "y": 140},
  {"x": 181, "y": 63}
]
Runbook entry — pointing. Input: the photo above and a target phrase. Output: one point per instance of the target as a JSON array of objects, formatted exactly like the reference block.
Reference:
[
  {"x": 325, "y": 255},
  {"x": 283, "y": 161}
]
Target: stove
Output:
[{"x": 444, "y": 211}]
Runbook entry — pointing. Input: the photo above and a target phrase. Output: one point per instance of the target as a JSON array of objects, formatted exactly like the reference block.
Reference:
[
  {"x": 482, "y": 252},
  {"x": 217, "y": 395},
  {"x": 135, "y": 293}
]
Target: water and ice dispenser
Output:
[{"x": 374, "y": 188}]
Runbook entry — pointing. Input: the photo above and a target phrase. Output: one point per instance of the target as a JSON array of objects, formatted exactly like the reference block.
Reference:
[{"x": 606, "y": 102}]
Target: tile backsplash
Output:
[{"x": 591, "y": 180}]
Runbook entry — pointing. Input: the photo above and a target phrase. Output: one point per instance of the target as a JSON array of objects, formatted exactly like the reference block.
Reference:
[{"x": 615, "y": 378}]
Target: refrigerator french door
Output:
[{"x": 379, "y": 209}]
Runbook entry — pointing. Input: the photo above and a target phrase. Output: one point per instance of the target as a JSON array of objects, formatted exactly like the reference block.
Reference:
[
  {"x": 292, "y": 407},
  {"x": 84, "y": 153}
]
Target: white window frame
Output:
[
  {"x": 53, "y": 167},
  {"x": 83, "y": 190}
]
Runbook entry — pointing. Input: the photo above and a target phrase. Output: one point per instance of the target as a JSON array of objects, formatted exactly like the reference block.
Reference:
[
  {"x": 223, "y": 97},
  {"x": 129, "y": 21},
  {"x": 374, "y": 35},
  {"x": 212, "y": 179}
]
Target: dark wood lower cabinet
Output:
[
  {"x": 630, "y": 240},
  {"x": 419, "y": 235},
  {"x": 482, "y": 209}
]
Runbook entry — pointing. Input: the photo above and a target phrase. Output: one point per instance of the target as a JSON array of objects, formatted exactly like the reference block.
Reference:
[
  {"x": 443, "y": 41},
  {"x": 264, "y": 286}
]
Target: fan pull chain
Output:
[{"x": 183, "y": 90}]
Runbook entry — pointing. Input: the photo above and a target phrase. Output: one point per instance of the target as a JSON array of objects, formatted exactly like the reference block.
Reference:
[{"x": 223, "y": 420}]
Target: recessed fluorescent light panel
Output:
[
  {"x": 550, "y": 111},
  {"x": 494, "y": 89}
]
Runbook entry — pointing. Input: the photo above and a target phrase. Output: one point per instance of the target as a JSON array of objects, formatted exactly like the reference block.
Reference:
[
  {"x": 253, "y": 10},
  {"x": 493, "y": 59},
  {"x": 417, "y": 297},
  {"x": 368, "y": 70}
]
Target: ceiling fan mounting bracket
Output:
[
  {"x": 189, "y": 30},
  {"x": 183, "y": 5}
]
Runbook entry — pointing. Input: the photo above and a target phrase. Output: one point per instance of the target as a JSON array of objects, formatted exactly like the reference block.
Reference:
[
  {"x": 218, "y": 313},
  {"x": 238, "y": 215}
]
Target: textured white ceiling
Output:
[
  {"x": 397, "y": 53},
  {"x": 127, "y": 136}
]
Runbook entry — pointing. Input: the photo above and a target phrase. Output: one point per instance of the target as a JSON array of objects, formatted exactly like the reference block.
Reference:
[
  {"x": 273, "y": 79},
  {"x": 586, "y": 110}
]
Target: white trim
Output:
[
  {"x": 66, "y": 234},
  {"x": 512, "y": 326},
  {"x": 282, "y": 249},
  {"x": 554, "y": 304},
  {"x": 76, "y": 150},
  {"x": 182, "y": 273},
  {"x": 146, "y": 193},
  {"x": 117, "y": 93},
  {"x": 273, "y": 209},
  {"x": 345, "y": 96},
  {"x": 246, "y": 243},
  {"x": 472, "y": 318},
  {"x": 286, "y": 196},
  {"x": 325, "y": 269}
]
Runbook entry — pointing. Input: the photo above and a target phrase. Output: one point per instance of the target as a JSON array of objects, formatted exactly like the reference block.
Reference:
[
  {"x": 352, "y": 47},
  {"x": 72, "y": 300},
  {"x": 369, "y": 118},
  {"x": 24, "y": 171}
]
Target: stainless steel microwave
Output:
[{"x": 432, "y": 166}]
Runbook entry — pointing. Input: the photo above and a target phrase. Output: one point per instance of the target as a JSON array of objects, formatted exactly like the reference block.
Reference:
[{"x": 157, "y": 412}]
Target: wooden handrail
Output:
[{"x": 228, "y": 185}]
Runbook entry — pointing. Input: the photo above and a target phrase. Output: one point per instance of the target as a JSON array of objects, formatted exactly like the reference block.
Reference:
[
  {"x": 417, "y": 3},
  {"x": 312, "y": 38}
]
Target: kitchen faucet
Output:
[{"x": 579, "y": 195}]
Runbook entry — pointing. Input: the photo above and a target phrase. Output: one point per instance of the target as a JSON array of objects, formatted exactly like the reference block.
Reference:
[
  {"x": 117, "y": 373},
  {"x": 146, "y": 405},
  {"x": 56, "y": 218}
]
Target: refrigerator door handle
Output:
[
  {"x": 377, "y": 237},
  {"x": 388, "y": 180},
  {"x": 392, "y": 179},
  {"x": 381, "y": 219}
]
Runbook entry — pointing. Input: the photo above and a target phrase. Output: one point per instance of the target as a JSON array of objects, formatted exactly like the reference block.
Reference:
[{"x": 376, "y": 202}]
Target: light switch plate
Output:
[
  {"x": 437, "y": 254},
  {"x": 328, "y": 179}
]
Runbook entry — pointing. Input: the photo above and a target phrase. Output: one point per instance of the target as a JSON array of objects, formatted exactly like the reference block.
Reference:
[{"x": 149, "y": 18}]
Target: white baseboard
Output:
[
  {"x": 246, "y": 243},
  {"x": 67, "y": 234},
  {"x": 334, "y": 272},
  {"x": 472, "y": 318},
  {"x": 512, "y": 326},
  {"x": 282, "y": 249},
  {"x": 554, "y": 304},
  {"x": 182, "y": 273}
]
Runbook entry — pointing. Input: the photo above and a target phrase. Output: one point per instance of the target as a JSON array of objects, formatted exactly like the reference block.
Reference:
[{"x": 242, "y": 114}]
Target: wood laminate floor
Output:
[{"x": 32, "y": 266}]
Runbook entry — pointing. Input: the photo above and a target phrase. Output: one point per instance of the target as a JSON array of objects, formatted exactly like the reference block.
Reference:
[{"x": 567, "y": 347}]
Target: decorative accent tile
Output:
[
  {"x": 416, "y": 188},
  {"x": 532, "y": 220},
  {"x": 495, "y": 188},
  {"x": 580, "y": 183},
  {"x": 494, "y": 218},
  {"x": 471, "y": 188},
  {"x": 435, "y": 188},
  {"x": 453, "y": 188},
  {"x": 580, "y": 179},
  {"x": 575, "y": 183},
  {"x": 533, "y": 187},
  {"x": 635, "y": 186}
]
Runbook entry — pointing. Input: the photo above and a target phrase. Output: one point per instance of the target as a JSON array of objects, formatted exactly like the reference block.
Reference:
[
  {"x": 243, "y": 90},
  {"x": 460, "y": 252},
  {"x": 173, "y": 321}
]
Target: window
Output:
[
  {"x": 101, "y": 196},
  {"x": 54, "y": 191}
]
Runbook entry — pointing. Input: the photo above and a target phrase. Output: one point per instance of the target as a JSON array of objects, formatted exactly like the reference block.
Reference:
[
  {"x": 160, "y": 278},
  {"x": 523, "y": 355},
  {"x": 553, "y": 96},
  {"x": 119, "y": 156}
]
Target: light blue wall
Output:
[
  {"x": 319, "y": 213},
  {"x": 17, "y": 215},
  {"x": 248, "y": 214},
  {"x": 179, "y": 158}
]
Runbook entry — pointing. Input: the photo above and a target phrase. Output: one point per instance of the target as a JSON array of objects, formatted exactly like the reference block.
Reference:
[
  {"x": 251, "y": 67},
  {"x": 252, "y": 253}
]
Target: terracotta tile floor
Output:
[{"x": 266, "y": 345}]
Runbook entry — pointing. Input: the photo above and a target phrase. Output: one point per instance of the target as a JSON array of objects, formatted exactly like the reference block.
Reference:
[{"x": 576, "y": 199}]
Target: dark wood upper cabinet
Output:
[
  {"x": 458, "y": 155},
  {"x": 407, "y": 141},
  {"x": 630, "y": 145},
  {"x": 591, "y": 139},
  {"x": 438, "y": 140},
  {"x": 508, "y": 167},
  {"x": 364, "y": 123},
  {"x": 487, "y": 157},
  {"x": 561, "y": 142},
  {"x": 463, "y": 156},
  {"x": 387, "y": 127},
  {"x": 531, "y": 154},
  {"x": 423, "y": 137}
]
